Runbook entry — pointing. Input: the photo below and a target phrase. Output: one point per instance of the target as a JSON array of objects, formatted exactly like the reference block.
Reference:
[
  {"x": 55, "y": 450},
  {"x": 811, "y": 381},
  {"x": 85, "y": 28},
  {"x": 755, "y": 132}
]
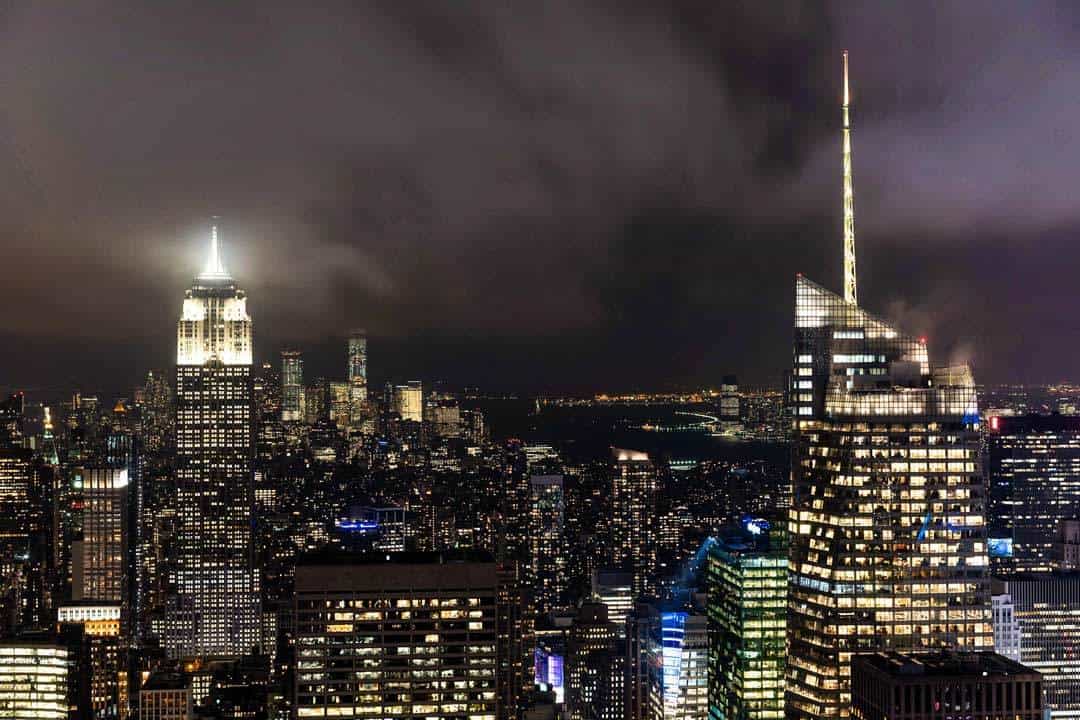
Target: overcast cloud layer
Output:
[{"x": 529, "y": 195}]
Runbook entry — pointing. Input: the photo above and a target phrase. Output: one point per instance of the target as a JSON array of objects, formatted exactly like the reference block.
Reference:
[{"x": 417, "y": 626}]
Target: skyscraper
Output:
[
  {"x": 356, "y": 376},
  {"x": 215, "y": 609},
  {"x": 747, "y": 615},
  {"x": 98, "y": 560},
  {"x": 1034, "y": 487},
  {"x": 547, "y": 553},
  {"x": 409, "y": 401},
  {"x": 1046, "y": 607},
  {"x": 888, "y": 539},
  {"x": 633, "y": 518},
  {"x": 678, "y": 666},
  {"x": 596, "y": 666},
  {"x": 292, "y": 386}
]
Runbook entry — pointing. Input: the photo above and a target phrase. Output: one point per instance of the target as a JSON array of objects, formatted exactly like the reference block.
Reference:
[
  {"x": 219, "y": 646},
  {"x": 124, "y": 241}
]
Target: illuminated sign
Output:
[
  {"x": 1000, "y": 547},
  {"x": 755, "y": 526}
]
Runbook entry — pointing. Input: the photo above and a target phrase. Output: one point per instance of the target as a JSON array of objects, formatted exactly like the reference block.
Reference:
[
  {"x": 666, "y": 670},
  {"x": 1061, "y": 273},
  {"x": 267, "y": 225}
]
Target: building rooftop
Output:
[
  {"x": 165, "y": 681},
  {"x": 348, "y": 572},
  {"x": 1007, "y": 424},
  {"x": 332, "y": 556},
  {"x": 943, "y": 664}
]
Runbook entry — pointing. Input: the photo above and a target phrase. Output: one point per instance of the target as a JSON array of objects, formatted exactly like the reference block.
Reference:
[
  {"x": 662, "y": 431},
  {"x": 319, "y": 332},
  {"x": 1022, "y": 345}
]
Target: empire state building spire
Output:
[
  {"x": 214, "y": 270},
  {"x": 850, "y": 283}
]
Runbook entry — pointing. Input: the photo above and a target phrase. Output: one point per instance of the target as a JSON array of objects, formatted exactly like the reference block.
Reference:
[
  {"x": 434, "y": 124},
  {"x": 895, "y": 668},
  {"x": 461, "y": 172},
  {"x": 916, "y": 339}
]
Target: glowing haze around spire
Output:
[{"x": 851, "y": 294}]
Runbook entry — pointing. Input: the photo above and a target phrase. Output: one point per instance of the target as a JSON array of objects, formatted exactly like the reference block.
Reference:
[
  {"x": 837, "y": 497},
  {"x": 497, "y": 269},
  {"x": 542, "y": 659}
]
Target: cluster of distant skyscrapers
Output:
[{"x": 880, "y": 587}]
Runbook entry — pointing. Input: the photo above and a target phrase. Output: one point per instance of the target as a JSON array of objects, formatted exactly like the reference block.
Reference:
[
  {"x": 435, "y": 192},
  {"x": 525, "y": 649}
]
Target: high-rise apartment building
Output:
[
  {"x": 1034, "y": 486},
  {"x": 214, "y": 610},
  {"x": 356, "y": 376},
  {"x": 747, "y": 581},
  {"x": 547, "y": 545},
  {"x": 633, "y": 518},
  {"x": 99, "y": 560},
  {"x": 407, "y": 635},
  {"x": 292, "y": 386},
  {"x": 887, "y": 523}
]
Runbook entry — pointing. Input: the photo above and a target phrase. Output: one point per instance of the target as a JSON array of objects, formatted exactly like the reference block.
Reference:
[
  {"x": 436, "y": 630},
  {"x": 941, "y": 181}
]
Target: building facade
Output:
[
  {"x": 888, "y": 539},
  {"x": 633, "y": 518},
  {"x": 1047, "y": 610},
  {"x": 1034, "y": 486},
  {"x": 981, "y": 686},
  {"x": 293, "y": 406},
  {"x": 99, "y": 559},
  {"x": 409, "y": 635},
  {"x": 36, "y": 680},
  {"x": 547, "y": 553},
  {"x": 356, "y": 376},
  {"x": 747, "y": 578},
  {"x": 215, "y": 608},
  {"x": 596, "y": 666},
  {"x": 679, "y": 667}
]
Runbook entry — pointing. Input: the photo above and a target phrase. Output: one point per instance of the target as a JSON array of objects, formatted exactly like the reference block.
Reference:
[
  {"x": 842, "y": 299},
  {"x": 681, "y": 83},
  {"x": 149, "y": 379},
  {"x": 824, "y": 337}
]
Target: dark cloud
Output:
[{"x": 543, "y": 195}]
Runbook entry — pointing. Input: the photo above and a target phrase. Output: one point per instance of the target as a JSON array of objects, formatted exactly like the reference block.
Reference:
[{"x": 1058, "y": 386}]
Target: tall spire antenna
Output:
[
  {"x": 851, "y": 294},
  {"x": 214, "y": 269}
]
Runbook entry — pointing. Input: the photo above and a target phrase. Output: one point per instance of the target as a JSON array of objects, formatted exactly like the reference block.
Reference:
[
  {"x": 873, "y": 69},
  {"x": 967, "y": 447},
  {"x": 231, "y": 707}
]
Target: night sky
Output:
[{"x": 535, "y": 195}]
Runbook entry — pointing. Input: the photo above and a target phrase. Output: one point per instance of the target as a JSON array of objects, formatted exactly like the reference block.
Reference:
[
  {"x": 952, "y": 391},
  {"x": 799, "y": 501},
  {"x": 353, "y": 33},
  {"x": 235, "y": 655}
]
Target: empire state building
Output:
[{"x": 216, "y": 609}]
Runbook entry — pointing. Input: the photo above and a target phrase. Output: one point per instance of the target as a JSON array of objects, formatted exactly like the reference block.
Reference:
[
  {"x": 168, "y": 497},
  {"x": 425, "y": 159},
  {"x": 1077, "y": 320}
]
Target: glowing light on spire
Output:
[
  {"x": 851, "y": 294},
  {"x": 214, "y": 270}
]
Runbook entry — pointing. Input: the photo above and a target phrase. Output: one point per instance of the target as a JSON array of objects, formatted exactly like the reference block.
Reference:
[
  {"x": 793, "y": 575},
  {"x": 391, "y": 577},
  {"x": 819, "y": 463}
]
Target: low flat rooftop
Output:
[{"x": 916, "y": 665}]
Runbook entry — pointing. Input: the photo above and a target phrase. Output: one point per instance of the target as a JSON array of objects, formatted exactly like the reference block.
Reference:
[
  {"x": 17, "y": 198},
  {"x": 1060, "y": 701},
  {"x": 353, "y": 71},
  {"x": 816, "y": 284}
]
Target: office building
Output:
[
  {"x": 409, "y": 401},
  {"x": 99, "y": 559},
  {"x": 678, "y": 665},
  {"x": 356, "y": 375},
  {"x": 165, "y": 696},
  {"x": 37, "y": 680},
  {"x": 547, "y": 545},
  {"x": 214, "y": 610},
  {"x": 887, "y": 523},
  {"x": 633, "y": 518},
  {"x": 1034, "y": 486},
  {"x": 747, "y": 581},
  {"x": 982, "y": 686},
  {"x": 408, "y": 635},
  {"x": 1047, "y": 610},
  {"x": 292, "y": 386},
  {"x": 596, "y": 666}
]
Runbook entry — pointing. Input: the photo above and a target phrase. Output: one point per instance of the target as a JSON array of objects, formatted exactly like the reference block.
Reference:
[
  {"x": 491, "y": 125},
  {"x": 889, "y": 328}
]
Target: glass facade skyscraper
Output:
[
  {"x": 215, "y": 610},
  {"x": 887, "y": 524},
  {"x": 747, "y": 580}
]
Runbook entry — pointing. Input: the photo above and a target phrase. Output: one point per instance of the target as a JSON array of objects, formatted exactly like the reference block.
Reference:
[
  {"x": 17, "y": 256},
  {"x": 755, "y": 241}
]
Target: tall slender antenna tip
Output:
[{"x": 846, "y": 94}]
